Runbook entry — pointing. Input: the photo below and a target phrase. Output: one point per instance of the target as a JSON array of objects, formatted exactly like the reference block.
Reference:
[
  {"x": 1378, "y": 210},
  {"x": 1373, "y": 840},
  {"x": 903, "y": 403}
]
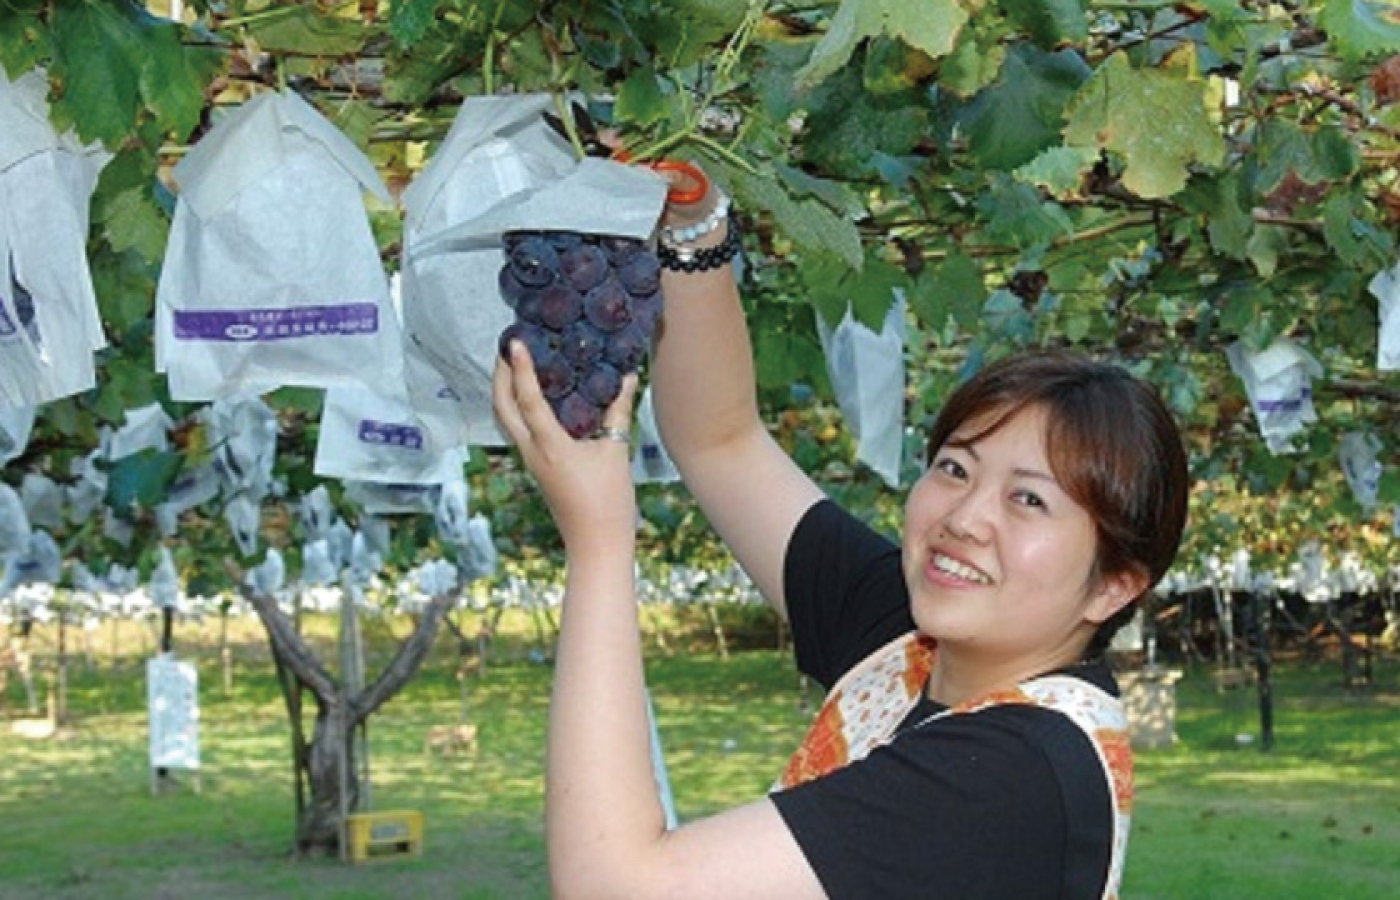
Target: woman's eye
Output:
[
  {"x": 1027, "y": 498},
  {"x": 950, "y": 467}
]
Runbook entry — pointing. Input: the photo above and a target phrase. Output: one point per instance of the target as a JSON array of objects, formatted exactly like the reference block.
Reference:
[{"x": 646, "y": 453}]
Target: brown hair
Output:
[{"x": 1112, "y": 446}]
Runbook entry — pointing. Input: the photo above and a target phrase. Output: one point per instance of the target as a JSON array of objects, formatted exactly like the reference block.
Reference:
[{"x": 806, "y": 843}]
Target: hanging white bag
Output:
[
  {"x": 1385, "y": 287},
  {"x": 49, "y": 323},
  {"x": 242, "y": 434},
  {"x": 1361, "y": 466},
  {"x": 651, "y": 464},
  {"x": 372, "y": 436},
  {"x": 1278, "y": 382},
  {"x": 272, "y": 275},
  {"x": 500, "y": 169},
  {"x": 479, "y": 558},
  {"x": 867, "y": 374},
  {"x": 142, "y": 429},
  {"x": 380, "y": 499},
  {"x": 14, "y": 522},
  {"x": 16, "y": 422}
]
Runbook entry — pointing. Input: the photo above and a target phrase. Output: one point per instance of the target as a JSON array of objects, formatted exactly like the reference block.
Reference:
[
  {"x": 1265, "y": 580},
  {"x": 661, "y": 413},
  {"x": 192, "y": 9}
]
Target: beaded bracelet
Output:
[
  {"x": 677, "y": 236},
  {"x": 701, "y": 259}
]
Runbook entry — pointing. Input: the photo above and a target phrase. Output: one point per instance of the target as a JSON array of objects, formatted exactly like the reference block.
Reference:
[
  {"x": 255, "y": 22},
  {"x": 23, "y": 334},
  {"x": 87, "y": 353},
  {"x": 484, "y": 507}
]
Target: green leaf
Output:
[
  {"x": 892, "y": 66},
  {"x": 782, "y": 359},
  {"x": 972, "y": 65},
  {"x": 953, "y": 288},
  {"x": 828, "y": 288},
  {"x": 872, "y": 292},
  {"x": 1050, "y": 23},
  {"x": 931, "y": 26},
  {"x": 141, "y": 479},
  {"x": 842, "y": 200},
  {"x": 1155, "y": 119},
  {"x": 1017, "y": 214},
  {"x": 357, "y": 119},
  {"x": 1060, "y": 170},
  {"x": 174, "y": 77},
  {"x": 98, "y": 56},
  {"x": 808, "y": 223},
  {"x": 305, "y": 30},
  {"x": 1021, "y": 114},
  {"x": 1266, "y": 245},
  {"x": 1006, "y": 317},
  {"x": 131, "y": 220},
  {"x": 24, "y": 42},
  {"x": 641, "y": 99},
  {"x": 409, "y": 20},
  {"x": 1389, "y": 489},
  {"x": 848, "y": 128},
  {"x": 1228, "y": 221},
  {"x": 1356, "y": 242},
  {"x": 1359, "y": 29}
]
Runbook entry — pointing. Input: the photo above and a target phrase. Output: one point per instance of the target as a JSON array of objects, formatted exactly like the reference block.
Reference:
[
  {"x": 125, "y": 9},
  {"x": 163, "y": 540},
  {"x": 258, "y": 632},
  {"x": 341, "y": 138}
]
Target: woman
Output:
[{"x": 971, "y": 744}]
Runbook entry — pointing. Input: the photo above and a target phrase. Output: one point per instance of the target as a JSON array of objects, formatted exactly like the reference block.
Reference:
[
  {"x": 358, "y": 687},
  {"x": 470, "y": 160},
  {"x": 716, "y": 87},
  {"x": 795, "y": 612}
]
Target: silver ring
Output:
[{"x": 613, "y": 434}]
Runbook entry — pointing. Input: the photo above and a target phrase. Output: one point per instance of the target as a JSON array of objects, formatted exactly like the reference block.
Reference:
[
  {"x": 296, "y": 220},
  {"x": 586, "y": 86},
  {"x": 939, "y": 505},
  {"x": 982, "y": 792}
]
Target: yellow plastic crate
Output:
[{"x": 391, "y": 834}]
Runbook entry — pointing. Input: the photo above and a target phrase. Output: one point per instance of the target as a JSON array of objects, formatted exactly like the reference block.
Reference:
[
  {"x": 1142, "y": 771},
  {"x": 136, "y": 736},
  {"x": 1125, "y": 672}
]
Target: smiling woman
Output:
[{"x": 971, "y": 744}]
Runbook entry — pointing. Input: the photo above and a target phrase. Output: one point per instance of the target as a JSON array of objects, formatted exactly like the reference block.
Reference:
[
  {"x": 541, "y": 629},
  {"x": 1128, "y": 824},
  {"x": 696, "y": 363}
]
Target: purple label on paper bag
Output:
[
  {"x": 389, "y": 434},
  {"x": 241, "y": 325}
]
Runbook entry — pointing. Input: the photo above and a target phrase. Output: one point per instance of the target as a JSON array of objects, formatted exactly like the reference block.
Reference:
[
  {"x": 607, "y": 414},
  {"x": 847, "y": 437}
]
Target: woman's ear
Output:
[{"x": 1115, "y": 592}]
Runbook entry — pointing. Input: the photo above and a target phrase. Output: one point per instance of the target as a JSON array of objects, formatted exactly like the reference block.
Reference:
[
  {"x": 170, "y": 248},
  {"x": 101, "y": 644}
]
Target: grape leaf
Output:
[
  {"x": 931, "y": 26},
  {"x": 808, "y": 223},
  {"x": 872, "y": 292},
  {"x": 971, "y": 66},
  {"x": 641, "y": 100},
  {"x": 1360, "y": 29},
  {"x": 1016, "y": 214},
  {"x": 24, "y": 42},
  {"x": 141, "y": 479},
  {"x": 847, "y": 127},
  {"x": 953, "y": 288},
  {"x": 1228, "y": 220},
  {"x": 782, "y": 359},
  {"x": 1021, "y": 113},
  {"x": 307, "y": 31},
  {"x": 1050, "y": 23},
  {"x": 174, "y": 77},
  {"x": 1154, "y": 118},
  {"x": 1060, "y": 170},
  {"x": 1006, "y": 317},
  {"x": 409, "y": 20},
  {"x": 98, "y": 54},
  {"x": 132, "y": 221}
]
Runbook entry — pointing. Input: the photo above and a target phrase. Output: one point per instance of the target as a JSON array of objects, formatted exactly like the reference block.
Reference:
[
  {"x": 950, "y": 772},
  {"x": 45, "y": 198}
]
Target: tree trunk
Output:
[
  {"x": 328, "y": 760},
  {"x": 333, "y": 778}
]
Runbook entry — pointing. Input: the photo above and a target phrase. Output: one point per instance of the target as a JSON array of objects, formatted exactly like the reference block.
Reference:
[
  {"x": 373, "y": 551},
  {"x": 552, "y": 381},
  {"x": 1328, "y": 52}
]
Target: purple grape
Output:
[
  {"x": 627, "y": 348},
  {"x": 527, "y": 308},
  {"x": 537, "y": 340},
  {"x": 582, "y": 343},
  {"x": 584, "y": 266},
  {"x": 563, "y": 240},
  {"x": 534, "y": 261},
  {"x": 601, "y": 384},
  {"x": 618, "y": 248},
  {"x": 640, "y": 275},
  {"x": 608, "y": 305},
  {"x": 555, "y": 375},
  {"x": 560, "y": 306},
  {"x": 646, "y": 311},
  {"x": 579, "y": 417},
  {"x": 511, "y": 288}
]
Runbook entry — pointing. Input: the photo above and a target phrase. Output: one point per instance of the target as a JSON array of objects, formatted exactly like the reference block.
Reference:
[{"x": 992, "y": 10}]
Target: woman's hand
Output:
[{"x": 587, "y": 483}]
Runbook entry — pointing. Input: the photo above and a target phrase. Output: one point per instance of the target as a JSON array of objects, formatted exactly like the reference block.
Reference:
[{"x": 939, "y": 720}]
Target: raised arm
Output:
[{"x": 707, "y": 409}]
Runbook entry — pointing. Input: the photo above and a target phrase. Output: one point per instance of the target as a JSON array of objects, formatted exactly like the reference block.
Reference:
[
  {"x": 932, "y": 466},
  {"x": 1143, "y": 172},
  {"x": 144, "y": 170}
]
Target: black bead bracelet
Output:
[{"x": 702, "y": 259}]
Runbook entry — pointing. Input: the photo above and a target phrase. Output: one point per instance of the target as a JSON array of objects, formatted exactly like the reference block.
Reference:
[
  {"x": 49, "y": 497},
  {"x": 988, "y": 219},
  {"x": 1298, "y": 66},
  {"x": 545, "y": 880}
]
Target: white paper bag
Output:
[
  {"x": 143, "y": 429},
  {"x": 1278, "y": 382},
  {"x": 49, "y": 323},
  {"x": 867, "y": 374},
  {"x": 242, "y": 434},
  {"x": 372, "y": 436},
  {"x": 651, "y": 464},
  {"x": 1385, "y": 287},
  {"x": 479, "y": 558},
  {"x": 272, "y": 275},
  {"x": 16, "y": 422},
  {"x": 1361, "y": 466},
  {"x": 501, "y": 168},
  {"x": 14, "y": 522},
  {"x": 43, "y": 501}
]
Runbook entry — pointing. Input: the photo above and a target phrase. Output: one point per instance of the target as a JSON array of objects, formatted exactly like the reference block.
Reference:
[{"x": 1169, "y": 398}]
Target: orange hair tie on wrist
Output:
[{"x": 677, "y": 194}]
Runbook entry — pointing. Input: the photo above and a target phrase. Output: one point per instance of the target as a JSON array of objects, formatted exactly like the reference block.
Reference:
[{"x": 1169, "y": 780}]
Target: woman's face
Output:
[{"x": 998, "y": 558}]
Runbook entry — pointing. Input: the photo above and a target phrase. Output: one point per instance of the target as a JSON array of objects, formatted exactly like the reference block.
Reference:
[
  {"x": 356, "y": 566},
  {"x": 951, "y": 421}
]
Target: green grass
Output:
[{"x": 1319, "y": 816}]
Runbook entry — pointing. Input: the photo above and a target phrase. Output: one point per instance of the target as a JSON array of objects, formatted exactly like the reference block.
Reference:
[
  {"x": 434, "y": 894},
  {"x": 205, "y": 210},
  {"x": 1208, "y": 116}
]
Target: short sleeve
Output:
[
  {"x": 844, "y": 590},
  {"x": 1006, "y": 802}
]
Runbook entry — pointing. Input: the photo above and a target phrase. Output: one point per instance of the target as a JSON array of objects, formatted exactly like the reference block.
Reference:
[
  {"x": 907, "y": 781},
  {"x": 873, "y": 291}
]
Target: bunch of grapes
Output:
[{"x": 586, "y": 307}]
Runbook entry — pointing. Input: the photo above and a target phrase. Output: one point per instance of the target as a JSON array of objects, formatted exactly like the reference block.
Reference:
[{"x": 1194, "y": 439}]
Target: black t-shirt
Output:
[{"x": 1006, "y": 802}]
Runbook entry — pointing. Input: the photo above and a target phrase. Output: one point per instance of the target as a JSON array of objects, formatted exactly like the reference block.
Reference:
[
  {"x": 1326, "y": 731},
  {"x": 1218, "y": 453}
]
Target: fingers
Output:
[
  {"x": 516, "y": 396},
  {"x": 618, "y": 416}
]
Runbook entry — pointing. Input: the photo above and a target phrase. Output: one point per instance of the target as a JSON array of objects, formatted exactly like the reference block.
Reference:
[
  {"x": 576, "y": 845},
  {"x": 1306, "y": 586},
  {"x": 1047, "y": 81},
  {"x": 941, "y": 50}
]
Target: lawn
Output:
[{"x": 1319, "y": 816}]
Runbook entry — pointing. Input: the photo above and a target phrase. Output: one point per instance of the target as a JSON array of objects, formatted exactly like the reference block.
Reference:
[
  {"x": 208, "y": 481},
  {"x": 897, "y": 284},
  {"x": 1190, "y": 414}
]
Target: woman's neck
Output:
[{"x": 960, "y": 677}]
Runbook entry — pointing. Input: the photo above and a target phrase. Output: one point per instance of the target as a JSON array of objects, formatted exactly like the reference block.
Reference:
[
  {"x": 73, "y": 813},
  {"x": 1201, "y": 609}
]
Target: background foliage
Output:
[{"x": 1150, "y": 181}]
